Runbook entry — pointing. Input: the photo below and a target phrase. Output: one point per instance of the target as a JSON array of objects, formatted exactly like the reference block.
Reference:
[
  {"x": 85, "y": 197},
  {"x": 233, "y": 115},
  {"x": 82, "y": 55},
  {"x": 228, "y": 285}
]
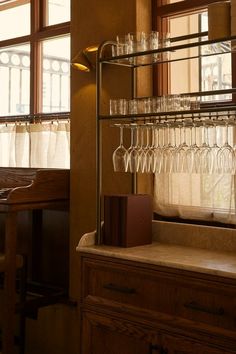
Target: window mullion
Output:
[{"x": 35, "y": 58}]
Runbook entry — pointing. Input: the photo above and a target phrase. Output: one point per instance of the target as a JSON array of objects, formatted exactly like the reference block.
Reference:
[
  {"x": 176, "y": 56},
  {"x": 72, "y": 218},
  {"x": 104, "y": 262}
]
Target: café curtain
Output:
[
  {"x": 198, "y": 196},
  {"x": 40, "y": 145}
]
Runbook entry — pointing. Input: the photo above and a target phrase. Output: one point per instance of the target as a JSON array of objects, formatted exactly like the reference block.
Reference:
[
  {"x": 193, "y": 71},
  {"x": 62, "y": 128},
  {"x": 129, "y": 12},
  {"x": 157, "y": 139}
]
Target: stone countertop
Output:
[{"x": 169, "y": 255}]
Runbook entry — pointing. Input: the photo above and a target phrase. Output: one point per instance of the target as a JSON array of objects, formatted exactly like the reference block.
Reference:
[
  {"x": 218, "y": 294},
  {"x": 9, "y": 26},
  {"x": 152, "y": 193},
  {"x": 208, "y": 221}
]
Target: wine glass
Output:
[
  {"x": 226, "y": 154},
  {"x": 150, "y": 152},
  {"x": 167, "y": 153},
  {"x": 133, "y": 151},
  {"x": 205, "y": 151},
  {"x": 119, "y": 156},
  {"x": 128, "y": 168},
  {"x": 214, "y": 153},
  {"x": 192, "y": 153},
  {"x": 180, "y": 152},
  {"x": 142, "y": 158},
  {"x": 158, "y": 151}
]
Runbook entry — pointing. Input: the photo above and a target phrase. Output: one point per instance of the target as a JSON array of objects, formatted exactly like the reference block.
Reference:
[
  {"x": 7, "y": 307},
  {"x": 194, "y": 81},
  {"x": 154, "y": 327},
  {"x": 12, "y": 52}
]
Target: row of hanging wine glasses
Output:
[{"x": 177, "y": 148}]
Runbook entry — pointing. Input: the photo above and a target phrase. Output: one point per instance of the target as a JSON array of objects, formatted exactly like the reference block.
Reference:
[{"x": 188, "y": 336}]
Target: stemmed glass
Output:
[
  {"x": 205, "y": 150},
  {"x": 167, "y": 153},
  {"x": 192, "y": 153},
  {"x": 180, "y": 152},
  {"x": 214, "y": 152},
  {"x": 132, "y": 161},
  {"x": 158, "y": 152},
  {"x": 128, "y": 160},
  {"x": 119, "y": 156},
  {"x": 150, "y": 152},
  {"x": 226, "y": 154},
  {"x": 142, "y": 153}
]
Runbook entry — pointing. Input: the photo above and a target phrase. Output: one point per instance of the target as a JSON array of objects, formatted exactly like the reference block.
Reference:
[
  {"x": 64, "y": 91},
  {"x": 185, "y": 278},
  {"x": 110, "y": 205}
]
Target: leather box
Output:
[{"x": 127, "y": 220}]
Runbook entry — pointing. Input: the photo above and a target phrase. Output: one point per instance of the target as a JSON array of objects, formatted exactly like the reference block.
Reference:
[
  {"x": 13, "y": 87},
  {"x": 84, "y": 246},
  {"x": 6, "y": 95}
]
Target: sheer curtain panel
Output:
[{"x": 42, "y": 145}]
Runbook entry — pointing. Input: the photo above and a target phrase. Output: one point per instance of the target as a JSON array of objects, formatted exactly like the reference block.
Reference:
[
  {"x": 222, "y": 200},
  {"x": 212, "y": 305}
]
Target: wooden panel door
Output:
[{"x": 108, "y": 335}]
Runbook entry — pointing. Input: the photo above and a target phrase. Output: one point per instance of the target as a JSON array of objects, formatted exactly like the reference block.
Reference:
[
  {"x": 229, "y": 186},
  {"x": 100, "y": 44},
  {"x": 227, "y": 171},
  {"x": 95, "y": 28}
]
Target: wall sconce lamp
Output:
[{"x": 85, "y": 60}]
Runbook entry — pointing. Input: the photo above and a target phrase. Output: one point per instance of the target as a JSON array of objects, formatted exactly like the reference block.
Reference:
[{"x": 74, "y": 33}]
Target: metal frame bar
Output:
[
  {"x": 209, "y": 111},
  {"x": 35, "y": 117}
]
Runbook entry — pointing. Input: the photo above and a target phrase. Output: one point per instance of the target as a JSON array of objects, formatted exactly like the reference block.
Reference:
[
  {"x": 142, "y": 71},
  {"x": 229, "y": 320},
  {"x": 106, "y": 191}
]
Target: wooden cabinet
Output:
[
  {"x": 129, "y": 307},
  {"x": 102, "y": 334}
]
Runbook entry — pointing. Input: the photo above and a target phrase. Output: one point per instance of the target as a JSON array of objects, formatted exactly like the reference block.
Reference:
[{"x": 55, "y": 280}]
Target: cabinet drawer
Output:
[
  {"x": 206, "y": 305},
  {"x": 128, "y": 286},
  {"x": 172, "y": 295}
]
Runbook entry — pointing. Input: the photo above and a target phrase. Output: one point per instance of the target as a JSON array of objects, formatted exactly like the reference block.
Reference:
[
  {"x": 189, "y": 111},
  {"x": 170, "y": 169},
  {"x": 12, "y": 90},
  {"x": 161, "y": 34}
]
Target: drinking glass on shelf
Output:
[
  {"x": 154, "y": 44},
  {"x": 184, "y": 102},
  {"x": 195, "y": 103},
  {"x": 165, "y": 43},
  {"x": 121, "y": 46},
  {"x": 118, "y": 106},
  {"x": 119, "y": 156},
  {"x": 133, "y": 106}
]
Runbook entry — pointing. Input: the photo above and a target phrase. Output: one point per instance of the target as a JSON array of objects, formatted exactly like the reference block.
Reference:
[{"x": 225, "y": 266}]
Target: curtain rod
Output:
[{"x": 33, "y": 117}]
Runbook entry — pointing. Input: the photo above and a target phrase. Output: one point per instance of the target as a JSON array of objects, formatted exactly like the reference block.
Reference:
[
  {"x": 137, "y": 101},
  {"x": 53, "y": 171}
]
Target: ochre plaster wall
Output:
[{"x": 93, "y": 22}]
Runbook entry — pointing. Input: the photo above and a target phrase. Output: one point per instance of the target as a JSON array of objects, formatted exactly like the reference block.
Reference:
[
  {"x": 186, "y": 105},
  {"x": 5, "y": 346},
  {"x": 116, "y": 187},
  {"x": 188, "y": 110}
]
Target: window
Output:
[
  {"x": 208, "y": 195},
  {"x": 34, "y": 56}
]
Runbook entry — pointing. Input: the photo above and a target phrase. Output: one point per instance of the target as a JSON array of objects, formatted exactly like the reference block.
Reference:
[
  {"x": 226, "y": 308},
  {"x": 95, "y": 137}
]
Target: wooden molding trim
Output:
[
  {"x": 182, "y": 7},
  {"x": 5, "y": 5}
]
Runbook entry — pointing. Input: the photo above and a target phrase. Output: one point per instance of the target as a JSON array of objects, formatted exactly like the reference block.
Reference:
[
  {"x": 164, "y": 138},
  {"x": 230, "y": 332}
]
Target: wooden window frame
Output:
[
  {"x": 39, "y": 32},
  {"x": 161, "y": 10}
]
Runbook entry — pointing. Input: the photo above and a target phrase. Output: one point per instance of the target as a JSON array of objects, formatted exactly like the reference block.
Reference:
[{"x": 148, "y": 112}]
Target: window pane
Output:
[
  {"x": 215, "y": 70},
  {"x": 58, "y": 11},
  {"x": 15, "y": 80},
  {"x": 56, "y": 75},
  {"x": 201, "y": 74},
  {"x": 15, "y": 21}
]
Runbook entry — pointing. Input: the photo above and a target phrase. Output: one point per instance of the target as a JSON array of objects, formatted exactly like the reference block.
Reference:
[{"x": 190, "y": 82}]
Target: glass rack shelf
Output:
[
  {"x": 207, "y": 112},
  {"x": 176, "y": 51}
]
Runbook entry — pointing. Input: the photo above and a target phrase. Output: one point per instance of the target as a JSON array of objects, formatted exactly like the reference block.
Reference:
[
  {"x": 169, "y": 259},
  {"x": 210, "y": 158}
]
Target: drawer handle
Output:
[
  {"x": 193, "y": 305},
  {"x": 157, "y": 348},
  {"x": 119, "y": 289}
]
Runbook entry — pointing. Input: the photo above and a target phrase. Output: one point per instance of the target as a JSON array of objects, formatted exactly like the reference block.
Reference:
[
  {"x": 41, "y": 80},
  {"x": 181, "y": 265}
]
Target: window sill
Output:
[{"x": 198, "y": 236}]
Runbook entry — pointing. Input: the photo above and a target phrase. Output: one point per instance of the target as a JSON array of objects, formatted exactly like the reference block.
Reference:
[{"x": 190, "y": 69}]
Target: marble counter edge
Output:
[{"x": 173, "y": 256}]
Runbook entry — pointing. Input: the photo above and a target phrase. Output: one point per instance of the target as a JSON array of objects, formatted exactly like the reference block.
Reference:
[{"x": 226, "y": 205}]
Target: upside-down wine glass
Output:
[
  {"x": 205, "y": 150},
  {"x": 119, "y": 156},
  {"x": 180, "y": 152},
  {"x": 214, "y": 153},
  {"x": 226, "y": 154},
  {"x": 167, "y": 153},
  {"x": 192, "y": 153},
  {"x": 133, "y": 154}
]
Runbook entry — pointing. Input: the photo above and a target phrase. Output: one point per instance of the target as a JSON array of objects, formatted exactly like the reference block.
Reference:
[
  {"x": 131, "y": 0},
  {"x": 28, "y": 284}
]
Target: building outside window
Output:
[{"x": 34, "y": 56}]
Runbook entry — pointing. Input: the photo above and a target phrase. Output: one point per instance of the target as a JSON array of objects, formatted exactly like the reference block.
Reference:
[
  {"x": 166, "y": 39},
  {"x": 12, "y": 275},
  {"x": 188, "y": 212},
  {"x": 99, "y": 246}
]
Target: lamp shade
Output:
[{"x": 81, "y": 62}]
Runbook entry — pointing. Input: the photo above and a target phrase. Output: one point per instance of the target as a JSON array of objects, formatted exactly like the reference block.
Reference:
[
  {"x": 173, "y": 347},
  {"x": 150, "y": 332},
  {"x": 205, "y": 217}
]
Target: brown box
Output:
[{"x": 127, "y": 220}]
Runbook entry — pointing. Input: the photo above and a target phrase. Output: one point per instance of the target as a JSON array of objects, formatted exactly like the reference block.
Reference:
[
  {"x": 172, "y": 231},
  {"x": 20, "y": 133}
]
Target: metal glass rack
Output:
[{"x": 140, "y": 59}]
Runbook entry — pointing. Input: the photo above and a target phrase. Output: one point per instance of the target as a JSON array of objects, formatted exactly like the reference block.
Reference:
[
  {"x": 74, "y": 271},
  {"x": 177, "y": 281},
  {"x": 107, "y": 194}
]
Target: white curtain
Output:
[
  {"x": 197, "y": 196},
  {"x": 42, "y": 145}
]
